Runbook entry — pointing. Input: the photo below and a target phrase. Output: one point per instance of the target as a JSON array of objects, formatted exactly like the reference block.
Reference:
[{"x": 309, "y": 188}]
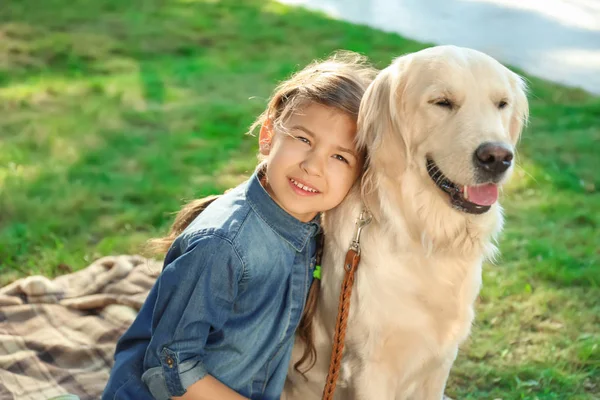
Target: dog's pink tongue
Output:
[{"x": 484, "y": 195}]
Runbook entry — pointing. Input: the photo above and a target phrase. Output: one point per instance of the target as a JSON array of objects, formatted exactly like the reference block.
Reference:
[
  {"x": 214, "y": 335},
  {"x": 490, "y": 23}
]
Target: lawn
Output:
[{"x": 115, "y": 112}]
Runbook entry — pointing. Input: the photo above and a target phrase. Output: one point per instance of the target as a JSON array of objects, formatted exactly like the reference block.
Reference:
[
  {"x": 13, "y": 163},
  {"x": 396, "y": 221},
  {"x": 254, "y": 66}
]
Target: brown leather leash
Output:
[{"x": 339, "y": 337}]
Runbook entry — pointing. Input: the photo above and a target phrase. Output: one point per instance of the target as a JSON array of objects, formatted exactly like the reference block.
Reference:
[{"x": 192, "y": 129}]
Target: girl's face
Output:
[{"x": 312, "y": 169}]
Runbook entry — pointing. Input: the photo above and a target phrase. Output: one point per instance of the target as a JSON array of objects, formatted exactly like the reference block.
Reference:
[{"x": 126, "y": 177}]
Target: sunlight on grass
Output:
[
  {"x": 43, "y": 88},
  {"x": 275, "y": 8},
  {"x": 21, "y": 173},
  {"x": 200, "y": 1}
]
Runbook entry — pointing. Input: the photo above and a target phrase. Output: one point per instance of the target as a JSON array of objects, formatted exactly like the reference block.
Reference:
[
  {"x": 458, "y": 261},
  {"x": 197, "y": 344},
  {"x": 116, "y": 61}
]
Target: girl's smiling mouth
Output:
[{"x": 301, "y": 188}]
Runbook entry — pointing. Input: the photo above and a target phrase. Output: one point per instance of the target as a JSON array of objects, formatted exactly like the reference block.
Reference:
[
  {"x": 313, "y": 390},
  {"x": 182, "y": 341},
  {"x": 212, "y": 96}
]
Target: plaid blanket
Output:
[{"x": 58, "y": 336}]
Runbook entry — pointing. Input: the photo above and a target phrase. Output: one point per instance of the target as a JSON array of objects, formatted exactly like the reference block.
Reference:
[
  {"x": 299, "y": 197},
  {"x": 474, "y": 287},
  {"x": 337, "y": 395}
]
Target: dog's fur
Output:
[{"x": 420, "y": 272}]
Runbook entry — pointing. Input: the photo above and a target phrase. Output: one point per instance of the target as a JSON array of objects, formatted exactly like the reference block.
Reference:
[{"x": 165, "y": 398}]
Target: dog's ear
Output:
[
  {"x": 378, "y": 124},
  {"x": 520, "y": 112}
]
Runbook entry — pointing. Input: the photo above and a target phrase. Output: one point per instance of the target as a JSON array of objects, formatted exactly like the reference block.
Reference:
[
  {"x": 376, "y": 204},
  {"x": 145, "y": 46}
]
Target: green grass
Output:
[{"x": 115, "y": 112}]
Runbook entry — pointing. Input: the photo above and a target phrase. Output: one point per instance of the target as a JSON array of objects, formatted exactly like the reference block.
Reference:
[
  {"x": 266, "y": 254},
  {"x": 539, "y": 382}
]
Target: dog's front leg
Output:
[
  {"x": 433, "y": 383},
  {"x": 373, "y": 383}
]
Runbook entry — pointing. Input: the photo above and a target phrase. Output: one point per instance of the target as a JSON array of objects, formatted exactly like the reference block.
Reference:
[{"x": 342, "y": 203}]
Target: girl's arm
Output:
[
  {"x": 194, "y": 296},
  {"x": 209, "y": 388}
]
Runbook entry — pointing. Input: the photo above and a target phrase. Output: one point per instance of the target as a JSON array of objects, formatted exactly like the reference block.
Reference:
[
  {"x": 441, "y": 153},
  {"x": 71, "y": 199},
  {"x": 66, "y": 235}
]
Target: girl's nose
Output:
[{"x": 313, "y": 164}]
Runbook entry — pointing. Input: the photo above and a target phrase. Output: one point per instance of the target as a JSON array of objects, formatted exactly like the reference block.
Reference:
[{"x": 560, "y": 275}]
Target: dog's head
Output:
[{"x": 450, "y": 115}]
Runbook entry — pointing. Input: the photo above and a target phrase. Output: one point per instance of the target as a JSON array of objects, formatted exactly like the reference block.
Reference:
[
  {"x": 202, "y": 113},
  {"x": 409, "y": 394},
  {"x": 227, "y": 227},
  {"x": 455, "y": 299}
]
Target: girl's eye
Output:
[
  {"x": 342, "y": 159},
  {"x": 303, "y": 139}
]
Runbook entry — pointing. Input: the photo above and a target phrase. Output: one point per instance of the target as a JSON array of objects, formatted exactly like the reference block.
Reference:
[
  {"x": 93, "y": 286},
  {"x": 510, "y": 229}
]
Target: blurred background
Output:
[
  {"x": 557, "y": 40},
  {"x": 113, "y": 113}
]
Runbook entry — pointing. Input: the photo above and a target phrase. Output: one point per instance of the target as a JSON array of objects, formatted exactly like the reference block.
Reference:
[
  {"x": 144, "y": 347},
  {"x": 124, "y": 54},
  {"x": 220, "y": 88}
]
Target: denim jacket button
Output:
[{"x": 169, "y": 362}]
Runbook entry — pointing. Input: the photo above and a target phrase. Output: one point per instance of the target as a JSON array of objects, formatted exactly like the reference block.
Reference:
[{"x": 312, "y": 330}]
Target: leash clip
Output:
[{"x": 363, "y": 220}]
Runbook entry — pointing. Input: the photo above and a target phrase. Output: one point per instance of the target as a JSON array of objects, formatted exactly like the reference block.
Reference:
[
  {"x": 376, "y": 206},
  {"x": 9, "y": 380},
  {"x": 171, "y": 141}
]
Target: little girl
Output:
[{"x": 219, "y": 322}]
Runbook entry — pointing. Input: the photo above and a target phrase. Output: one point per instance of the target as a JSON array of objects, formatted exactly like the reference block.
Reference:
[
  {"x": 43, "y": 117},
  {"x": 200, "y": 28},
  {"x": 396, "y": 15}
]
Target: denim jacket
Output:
[{"x": 227, "y": 303}]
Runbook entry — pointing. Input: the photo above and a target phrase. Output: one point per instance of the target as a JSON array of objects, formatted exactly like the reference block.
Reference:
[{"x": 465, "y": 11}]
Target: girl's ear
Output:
[{"x": 265, "y": 136}]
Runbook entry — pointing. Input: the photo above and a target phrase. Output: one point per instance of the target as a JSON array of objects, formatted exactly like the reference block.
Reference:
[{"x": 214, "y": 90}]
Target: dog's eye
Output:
[
  {"x": 444, "y": 103},
  {"x": 502, "y": 104}
]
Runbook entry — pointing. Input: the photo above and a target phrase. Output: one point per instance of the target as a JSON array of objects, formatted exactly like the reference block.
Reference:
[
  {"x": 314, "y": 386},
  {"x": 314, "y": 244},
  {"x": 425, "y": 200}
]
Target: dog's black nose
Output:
[{"x": 493, "y": 157}]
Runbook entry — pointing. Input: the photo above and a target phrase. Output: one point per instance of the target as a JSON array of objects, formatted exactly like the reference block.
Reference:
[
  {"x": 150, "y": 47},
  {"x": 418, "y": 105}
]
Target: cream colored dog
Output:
[{"x": 440, "y": 127}]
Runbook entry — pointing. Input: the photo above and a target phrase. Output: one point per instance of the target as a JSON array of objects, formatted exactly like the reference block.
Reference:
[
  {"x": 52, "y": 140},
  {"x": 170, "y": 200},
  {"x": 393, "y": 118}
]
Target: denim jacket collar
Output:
[{"x": 292, "y": 230}]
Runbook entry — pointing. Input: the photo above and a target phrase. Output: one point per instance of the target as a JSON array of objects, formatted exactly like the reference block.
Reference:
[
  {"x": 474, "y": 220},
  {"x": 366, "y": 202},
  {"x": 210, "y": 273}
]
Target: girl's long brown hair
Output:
[{"x": 338, "y": 82}]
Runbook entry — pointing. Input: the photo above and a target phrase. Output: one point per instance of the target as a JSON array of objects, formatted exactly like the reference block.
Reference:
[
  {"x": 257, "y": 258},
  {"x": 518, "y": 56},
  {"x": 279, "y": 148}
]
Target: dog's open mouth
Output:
[{"x": 470, "y": 199}]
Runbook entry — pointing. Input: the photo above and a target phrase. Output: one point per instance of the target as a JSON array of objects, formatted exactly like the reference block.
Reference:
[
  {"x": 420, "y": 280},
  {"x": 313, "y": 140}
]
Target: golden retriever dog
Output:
[{"x": 440, "y": 127}]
